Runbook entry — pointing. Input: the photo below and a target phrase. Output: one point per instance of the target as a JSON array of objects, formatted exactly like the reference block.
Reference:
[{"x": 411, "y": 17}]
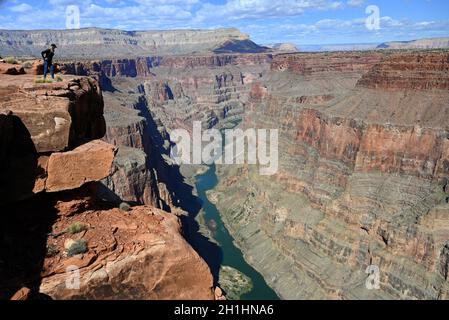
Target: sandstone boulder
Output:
[
  {"x": 140, "y": 255},
  {"x": 36, "y": 67},
  {"x": 57, "y": 115},
  {"x": 12, "y": 69},
  {"x": 89, "y": 162},
  {"x": 22, "y": 294},
  {"x": 218, "y": 293}
]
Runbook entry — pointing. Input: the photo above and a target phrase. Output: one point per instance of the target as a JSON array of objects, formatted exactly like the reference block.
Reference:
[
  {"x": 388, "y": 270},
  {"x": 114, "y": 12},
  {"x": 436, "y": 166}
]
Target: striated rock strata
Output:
[
  {"x": 362, "y": 181},
  {"x": 364, "y": 165},
  {"x": 171, "y": 91}
]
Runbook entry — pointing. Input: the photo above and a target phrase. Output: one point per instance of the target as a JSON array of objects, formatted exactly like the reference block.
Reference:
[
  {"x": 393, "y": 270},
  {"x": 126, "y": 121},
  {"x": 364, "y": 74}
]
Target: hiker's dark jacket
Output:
[{"x": 48, "y": 56}]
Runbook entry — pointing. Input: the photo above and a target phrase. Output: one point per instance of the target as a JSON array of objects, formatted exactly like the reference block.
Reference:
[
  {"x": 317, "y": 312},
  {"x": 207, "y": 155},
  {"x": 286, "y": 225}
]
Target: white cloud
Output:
[
  {"x": 355, "y": 3},
  {"x": 332, "y": 31},
  {"x": 265, "y": 20},
  {"x": 64, "y": 3},
  {"x": 138, "y": 17},
  {"x": 165, "y": 2},
  {"x": 262, "y": 9},
  {"x": 21, "y": 8}
]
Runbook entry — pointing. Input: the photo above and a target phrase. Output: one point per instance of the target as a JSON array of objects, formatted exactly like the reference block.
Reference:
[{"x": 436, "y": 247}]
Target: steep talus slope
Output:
[
  {"x": 58, "y": 237},
  {"x": 110, "y": 43},
  {"x": 362, "y": 181}
]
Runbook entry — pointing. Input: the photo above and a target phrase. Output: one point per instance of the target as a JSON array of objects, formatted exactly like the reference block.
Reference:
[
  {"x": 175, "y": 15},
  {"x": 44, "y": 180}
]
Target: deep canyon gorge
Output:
[{"x": 363, "y": 173}]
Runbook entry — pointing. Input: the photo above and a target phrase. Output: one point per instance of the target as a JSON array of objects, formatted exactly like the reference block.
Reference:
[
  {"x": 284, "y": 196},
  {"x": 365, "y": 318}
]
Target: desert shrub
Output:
[
  {"x": 59, "y": 79},
  {"x": 43, "y": 81},
  {"x": 76, "y": 227},
  {"x": 52, "y": 250},
  {"x": 27, "y": 65},
  {"x": 80, "y": 246},
  {"x": 124, "y": 206},
  {"x": 11, "y": 60}
]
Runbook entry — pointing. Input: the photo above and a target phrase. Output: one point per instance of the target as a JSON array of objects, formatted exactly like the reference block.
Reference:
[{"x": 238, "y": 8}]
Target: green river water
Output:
[{"x": 232, "y": 256}]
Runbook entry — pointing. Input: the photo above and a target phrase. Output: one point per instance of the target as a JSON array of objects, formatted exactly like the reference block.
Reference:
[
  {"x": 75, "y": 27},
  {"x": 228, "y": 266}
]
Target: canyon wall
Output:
[
  {"x": 409, "y": 71},
  {"x": 144, "y": 103},
  {"x": 141, "y": 66},
  {"x": 134, "y": 178},
  {"x": 363, "y": 155},
  {"x": 363, "y": 146}
]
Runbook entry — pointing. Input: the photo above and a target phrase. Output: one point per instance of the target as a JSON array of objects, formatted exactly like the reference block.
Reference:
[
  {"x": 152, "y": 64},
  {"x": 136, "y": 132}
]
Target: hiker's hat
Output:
[{"x": 53, "y": 45}]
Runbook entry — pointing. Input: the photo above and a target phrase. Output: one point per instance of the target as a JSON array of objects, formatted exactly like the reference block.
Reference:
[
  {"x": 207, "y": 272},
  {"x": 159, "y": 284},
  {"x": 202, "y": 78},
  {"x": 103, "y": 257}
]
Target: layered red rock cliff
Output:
[
  {"x": 374, "y": 147},
  {"x": 363, "y": 153},
  {"x": 364, "y": 165},
  {"x": 111, "y": 68},
  {"x": 410, "y": 71},
  {"x": 314, "y": 63},
  {"x": 141, "y": 67}
]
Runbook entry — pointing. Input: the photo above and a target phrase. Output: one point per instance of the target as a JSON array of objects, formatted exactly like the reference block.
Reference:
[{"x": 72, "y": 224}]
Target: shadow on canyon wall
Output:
[
  {"x": 106, "y": 83},
  {"x": 19, "y": 160},
  {"x": 181, "y": 193},
  {"x": 24, "y": 226},
  {"x": 23, "y": 245}
]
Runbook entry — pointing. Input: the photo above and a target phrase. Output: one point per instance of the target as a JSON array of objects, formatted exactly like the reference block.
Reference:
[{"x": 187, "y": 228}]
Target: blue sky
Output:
[{"x": 266, "y": 21}]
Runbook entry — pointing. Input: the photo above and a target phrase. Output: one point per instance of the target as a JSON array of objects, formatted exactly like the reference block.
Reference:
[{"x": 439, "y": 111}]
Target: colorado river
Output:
[{"x": 232, "y": 256}]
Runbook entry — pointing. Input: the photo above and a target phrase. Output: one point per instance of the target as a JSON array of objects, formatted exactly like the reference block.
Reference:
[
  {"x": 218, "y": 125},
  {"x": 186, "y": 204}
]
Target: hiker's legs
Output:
[
  {"x": 45, "y": 69},
  {"x": 52, "y": 71}
]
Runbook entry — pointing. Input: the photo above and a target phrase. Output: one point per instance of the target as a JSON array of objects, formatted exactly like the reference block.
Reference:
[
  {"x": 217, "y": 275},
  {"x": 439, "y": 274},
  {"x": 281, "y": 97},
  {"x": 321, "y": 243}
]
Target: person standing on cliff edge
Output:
[{"x": 47, "y": 55}]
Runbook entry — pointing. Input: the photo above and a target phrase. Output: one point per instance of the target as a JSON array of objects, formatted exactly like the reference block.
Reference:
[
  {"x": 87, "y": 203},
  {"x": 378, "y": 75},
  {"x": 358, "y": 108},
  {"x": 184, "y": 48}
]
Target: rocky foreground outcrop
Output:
[
  {"x": 55, "y": 225},
  {"x": 40, "y": 123},
  {"x": 138, "y": 254},
  {"x": 13, "y": 69}
]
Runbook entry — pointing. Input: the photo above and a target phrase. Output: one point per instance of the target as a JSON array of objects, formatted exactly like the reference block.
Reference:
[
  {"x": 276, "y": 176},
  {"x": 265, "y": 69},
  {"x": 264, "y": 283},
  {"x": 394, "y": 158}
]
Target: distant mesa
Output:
[
  {"x": 339, "y": 47},
  {"x": 430, "y": 43},
  {"x": 113, "y": 43},
  {"x": 240, "y": 46},
  {"x": 284, "y": 47}
]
